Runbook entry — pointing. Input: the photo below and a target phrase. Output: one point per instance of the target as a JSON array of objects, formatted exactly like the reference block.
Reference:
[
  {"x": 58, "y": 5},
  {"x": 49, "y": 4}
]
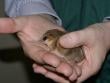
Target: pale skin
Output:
[{"x": 95, "y": 40}]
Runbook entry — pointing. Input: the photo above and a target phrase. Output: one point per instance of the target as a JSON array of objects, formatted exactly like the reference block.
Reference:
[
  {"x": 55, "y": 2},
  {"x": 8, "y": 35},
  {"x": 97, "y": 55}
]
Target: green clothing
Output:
[{"x": 77, "y": 14}]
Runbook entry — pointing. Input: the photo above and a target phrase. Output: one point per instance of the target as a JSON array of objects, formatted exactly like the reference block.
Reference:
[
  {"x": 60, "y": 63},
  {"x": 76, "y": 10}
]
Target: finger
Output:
[
  {"x": 56, "y": 78},
  {"x": 78, "y": 70},
  {"x": 55, "y": 62},
  {"x": 76, "y": 73},
  {"x": 50, "y": 68},
  {"x": 64, "y": 69},
  {"x": 86, "y": 74},
  {"x": 61, "y": 67},
  {"x": 39, "y": 69},
  {"x": 8, "y": 25},
  {"x": 73, "y": 77},
  {"x": 74, "y": 39},
  {"x": 51, "y": 59}
]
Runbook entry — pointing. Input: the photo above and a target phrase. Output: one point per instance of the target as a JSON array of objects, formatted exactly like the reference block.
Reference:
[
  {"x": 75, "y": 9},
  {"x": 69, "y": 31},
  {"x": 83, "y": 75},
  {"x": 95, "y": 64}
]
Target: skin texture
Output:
[
  {"x": 94, "y": 39},
  {"x": 50, "y": 39}
]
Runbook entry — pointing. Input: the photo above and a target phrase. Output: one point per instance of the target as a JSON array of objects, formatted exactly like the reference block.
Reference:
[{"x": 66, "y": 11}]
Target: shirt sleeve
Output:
[{"x": 15, "y": 8}]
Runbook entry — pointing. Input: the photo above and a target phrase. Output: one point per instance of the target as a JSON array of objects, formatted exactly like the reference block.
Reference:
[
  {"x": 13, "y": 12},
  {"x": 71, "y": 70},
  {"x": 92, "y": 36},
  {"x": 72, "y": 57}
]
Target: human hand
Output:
[
  {"x": 30, "y": 29},
  {"x": 95, "y": 41}
]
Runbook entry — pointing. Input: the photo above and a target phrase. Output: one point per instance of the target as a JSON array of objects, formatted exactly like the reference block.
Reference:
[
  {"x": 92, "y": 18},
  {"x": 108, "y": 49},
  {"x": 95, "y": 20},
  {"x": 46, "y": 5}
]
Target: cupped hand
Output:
[
  {"x": 30, "y": 29},
  {"x": 94, "y": 40}
]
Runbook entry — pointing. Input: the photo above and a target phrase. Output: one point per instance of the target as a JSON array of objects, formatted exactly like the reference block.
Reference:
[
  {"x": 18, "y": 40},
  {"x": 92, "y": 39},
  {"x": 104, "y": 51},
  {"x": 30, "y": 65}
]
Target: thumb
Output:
[
  {"x": 8, "y": 25},
  {"x": 73, "y": 39}
]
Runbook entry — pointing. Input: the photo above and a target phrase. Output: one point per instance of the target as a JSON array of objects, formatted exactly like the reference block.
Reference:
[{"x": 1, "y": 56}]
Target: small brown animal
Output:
[{"x": 51, "y": 38}]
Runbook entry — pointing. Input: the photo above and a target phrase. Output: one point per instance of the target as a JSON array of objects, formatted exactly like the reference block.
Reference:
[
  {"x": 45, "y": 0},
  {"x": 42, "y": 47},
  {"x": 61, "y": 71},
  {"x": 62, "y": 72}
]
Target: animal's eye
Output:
[{"x": 45, "y": 38}]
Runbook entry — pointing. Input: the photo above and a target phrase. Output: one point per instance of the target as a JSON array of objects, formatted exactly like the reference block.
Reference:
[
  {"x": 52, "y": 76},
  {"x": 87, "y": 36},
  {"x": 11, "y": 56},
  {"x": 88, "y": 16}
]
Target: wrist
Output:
[
  {"x": 50, "y": 21},
  {"x": 106, "y": 31},
  {"x": 48, "y": 17}
]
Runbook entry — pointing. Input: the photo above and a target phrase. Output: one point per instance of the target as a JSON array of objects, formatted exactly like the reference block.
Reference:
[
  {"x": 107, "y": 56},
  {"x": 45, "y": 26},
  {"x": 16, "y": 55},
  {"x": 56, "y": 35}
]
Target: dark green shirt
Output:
[{"x": 77, "y": 14}]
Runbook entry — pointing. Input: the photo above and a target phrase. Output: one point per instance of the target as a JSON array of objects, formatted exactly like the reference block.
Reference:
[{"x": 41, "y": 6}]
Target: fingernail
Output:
[{"x": 34, "y": 65}]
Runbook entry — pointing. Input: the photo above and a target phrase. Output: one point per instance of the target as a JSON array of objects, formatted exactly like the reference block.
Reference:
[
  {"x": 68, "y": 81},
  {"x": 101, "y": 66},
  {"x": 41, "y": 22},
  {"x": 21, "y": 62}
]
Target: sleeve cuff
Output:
[
  {"x": 35, "y": 7},
  {"x": 106, "y": 19}
]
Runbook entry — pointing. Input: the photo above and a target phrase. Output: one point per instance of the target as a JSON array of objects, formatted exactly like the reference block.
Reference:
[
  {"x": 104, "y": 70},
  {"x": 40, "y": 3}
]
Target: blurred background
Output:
[{"x": 14, "y": 66}]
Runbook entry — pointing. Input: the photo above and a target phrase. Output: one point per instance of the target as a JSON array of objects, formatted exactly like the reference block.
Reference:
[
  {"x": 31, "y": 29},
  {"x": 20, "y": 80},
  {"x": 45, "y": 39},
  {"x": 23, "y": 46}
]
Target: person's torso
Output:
[{"x": 77, "y": 14}]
